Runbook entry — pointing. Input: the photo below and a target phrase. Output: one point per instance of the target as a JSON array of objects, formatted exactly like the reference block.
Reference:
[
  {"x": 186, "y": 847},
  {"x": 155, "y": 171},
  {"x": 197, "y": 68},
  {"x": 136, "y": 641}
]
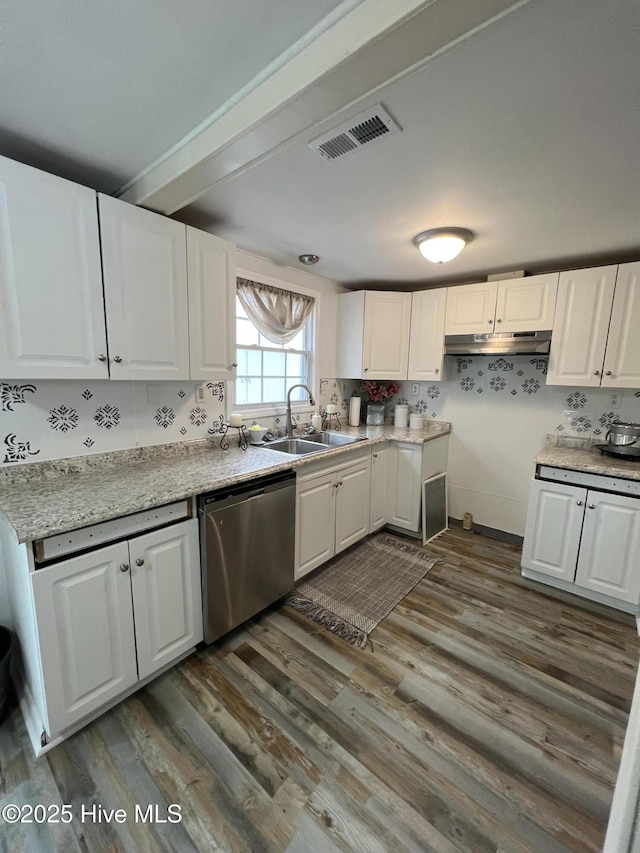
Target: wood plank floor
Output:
[{"x": 488, "y": 716}]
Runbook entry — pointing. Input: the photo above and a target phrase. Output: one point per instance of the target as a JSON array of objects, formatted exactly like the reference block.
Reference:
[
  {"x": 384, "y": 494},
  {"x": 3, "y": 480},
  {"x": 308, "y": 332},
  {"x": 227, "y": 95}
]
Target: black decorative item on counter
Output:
[
  {"x": 331, "y": 420},
  {"x": 622, "y": 451},
  {"x": 242, "y": 436}
]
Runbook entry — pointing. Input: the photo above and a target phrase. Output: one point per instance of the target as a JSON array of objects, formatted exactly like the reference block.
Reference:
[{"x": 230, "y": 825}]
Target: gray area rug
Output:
[{"x": 357, "y": 589}]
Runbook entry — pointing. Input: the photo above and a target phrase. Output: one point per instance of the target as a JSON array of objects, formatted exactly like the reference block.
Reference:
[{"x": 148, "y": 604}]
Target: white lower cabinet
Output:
[
  {"x": 408, "y": 466},
  {"x": 379, "y": 484},
  {"x": 584, "y": 540},
  {"x": 332, "y": 512},
  {"x": 113, "y": 616}
]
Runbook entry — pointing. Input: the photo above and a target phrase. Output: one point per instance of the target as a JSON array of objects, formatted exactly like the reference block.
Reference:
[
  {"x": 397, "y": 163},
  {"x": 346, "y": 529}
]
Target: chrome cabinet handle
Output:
[
  {"x": 124, "y": 567},
  {"x": 117, "y": 359},
  {"x": 579, "y": 503},
  {"x": 340, "y": 482},
  {"x": 596, "y": 373},
  {"x": 335, "y": 485},
  {"x": 498, "y": 321},
  {"x": 592, "y": 506},
  {"x": 437, "y": 370},
  {"x": 375, "y": 455},
  {"x": 234, "y": 364},
  {"x": 490, "y": 322},
  {"x": 139, "y": 562},
  {"x": 102, "y": 357},
  {"x": 366, "y": 369},
  {"x": 607, "y": 373}
]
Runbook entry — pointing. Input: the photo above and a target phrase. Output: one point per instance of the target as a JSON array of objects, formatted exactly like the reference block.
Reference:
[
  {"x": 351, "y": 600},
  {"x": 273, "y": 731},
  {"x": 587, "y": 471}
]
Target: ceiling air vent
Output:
[{"x": 352, "y": 134}]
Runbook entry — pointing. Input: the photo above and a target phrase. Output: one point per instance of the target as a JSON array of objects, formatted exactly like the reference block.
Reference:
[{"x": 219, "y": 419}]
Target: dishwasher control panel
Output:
[
  {"x": 95, "y": 535},
  {"x": 617, "y": 485}
]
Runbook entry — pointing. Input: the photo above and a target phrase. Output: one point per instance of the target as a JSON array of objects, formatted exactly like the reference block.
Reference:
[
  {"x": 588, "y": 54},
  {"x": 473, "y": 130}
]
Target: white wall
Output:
[{"x": 501, "y": 411}]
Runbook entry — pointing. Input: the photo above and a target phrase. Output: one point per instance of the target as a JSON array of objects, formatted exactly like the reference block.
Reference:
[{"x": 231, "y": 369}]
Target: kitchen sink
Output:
[
  {"x": 332, "y": 439},
  {"x": 315, "y": 443},
  {"x": 296, "y": 446}
]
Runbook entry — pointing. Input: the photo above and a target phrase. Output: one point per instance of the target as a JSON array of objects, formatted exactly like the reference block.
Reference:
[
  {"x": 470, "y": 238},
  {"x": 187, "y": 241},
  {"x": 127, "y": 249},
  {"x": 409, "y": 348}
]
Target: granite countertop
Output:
[
  {"x": 43, "y": 499},
  {"x": 581, "y": 457}
]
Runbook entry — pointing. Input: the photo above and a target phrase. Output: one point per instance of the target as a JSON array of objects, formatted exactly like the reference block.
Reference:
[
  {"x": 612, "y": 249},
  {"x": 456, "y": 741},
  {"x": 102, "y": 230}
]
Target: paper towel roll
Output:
[{"x": 354, "y": 411}]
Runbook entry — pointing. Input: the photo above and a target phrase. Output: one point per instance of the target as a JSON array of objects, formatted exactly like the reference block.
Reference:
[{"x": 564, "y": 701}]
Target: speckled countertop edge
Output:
[
  {"x": 587, "y": 459},
  {"x": 48, "y": 503}
]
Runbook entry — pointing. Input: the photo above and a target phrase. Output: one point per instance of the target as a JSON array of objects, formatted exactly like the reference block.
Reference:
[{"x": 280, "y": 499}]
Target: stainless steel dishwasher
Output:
[{"x": 247, "y": 537}]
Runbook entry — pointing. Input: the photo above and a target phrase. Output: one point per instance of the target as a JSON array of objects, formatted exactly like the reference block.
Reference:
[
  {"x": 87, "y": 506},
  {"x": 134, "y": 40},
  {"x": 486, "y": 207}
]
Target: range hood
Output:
[{"x": 501, "y": 343}]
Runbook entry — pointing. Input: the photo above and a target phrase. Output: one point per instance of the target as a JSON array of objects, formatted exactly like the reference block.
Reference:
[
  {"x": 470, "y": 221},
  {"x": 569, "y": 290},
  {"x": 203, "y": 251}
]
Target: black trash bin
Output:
[{"x": 6, "y": 643}]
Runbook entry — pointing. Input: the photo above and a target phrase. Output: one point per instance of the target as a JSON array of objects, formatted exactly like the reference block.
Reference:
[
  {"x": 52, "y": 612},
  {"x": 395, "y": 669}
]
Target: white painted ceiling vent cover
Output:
[{"x": 357, "y": 131}]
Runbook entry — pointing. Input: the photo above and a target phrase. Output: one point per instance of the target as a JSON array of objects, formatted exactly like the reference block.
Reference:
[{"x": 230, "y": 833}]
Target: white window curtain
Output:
[{"x": 278, "y": 314}]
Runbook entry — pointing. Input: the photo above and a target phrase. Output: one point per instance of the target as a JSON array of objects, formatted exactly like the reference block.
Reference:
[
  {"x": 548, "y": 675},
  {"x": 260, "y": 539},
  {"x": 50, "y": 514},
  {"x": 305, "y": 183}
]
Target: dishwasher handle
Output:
[{"x": 244, "y": 491}]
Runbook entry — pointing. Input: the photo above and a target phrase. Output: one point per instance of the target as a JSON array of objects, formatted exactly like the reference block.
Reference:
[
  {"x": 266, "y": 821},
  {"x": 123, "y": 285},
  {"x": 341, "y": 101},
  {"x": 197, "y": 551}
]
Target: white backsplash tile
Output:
[{"x": 51, "y": 419}]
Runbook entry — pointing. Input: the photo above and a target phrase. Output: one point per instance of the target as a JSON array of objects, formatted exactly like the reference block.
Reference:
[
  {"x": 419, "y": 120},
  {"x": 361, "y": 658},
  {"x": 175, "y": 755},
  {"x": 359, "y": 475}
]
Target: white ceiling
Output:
[{"x": 521, "y": 121}]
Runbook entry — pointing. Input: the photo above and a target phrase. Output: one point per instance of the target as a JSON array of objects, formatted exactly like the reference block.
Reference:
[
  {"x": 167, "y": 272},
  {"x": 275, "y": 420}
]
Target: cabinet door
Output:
[
  {"x": 144, "y": 260},
  {"x": 51, "y": 308},
  {"x": 352, "y": 504},
  {"x": 552, "y": 531},
  {"x": 403, "y": 508},
  {"x": 379, "y": 476},
  {"x": 583, "y": 310},
  {"x": 85, "y": 631},
  {"x": 526, "y": 304},
  {"x": 609, "y": 561},
  {"x": 167, "y": 597},
  {"x": 471, "y": 308},
  {"x": 426, "y": 343},
  {"x": 622, "y": 358},
  {"x": 211, "y": 269},
  {"x": 315, "y": 523},
  {"x": 387, "y": 319}
]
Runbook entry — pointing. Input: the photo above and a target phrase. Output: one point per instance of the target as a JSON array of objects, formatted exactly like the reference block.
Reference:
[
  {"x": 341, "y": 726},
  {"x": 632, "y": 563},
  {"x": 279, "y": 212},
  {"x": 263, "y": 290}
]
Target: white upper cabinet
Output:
[
  {"x": 622, "y": 355},
  {"x": 144, "y": 260},
  {"x": 595, "y": 339},
  {"x": 510, "y": 305},
  {"x": 426, "y": 343},
  {"x": 211, "y": 264},
  {"x": 373, "y": 335},
  {"x": 526, "y": 304},
  {"x": 471, "y": 309},
  {"x": 51, "y": 310}
]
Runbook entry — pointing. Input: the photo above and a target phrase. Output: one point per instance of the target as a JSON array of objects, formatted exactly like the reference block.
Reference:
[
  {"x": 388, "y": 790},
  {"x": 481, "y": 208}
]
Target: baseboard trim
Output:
[{"x": 491, "y": 532}]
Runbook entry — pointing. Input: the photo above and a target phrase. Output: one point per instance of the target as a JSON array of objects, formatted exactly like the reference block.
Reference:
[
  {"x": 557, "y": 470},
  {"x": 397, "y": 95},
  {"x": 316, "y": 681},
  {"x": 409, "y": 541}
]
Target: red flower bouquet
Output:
[{"x": 379, "y": 392}]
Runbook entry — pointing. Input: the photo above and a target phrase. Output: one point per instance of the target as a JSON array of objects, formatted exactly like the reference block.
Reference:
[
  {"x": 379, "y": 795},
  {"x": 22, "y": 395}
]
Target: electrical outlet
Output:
[
  {"x": 615, "y": 399},
  {"x": 199, "y": 393},
  {"x": 415, "y": 389}
]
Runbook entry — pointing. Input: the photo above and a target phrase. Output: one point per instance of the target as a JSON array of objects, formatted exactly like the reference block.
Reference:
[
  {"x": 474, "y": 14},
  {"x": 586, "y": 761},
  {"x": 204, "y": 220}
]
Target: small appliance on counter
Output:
[
  {"x": 623, "y": 440},
  {"x": 624, "y": 433}
]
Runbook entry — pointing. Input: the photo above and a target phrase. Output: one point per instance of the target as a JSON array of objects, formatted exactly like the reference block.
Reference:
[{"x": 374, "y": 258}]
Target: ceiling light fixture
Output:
[
  {"x": 440, "y": 245},
  {"x": 308, "y": 260}
]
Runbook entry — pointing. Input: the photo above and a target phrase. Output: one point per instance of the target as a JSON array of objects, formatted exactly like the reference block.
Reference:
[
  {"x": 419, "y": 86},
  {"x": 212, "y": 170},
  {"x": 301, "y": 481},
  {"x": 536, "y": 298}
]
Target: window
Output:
[{"x": 266, "y": 370}]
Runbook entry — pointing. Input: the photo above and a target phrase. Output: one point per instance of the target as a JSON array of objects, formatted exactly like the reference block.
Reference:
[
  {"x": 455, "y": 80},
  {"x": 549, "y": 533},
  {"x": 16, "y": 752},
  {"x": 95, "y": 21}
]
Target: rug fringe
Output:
[{"x": 347, "y": 632}]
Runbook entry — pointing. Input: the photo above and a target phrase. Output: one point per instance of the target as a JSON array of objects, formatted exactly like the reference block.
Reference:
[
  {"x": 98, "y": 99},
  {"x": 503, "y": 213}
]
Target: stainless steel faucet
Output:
[{"x": 289, "y": 422}]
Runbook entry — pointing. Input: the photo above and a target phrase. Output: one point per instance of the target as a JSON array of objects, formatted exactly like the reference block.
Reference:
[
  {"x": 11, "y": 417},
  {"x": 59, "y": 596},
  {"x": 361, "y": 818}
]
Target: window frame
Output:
[{"x": 256, "y": 410}]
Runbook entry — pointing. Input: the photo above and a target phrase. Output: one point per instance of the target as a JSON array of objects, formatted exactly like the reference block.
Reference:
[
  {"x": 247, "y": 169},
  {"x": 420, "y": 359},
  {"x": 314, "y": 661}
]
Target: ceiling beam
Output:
[{"x": 374, "y": 43}]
